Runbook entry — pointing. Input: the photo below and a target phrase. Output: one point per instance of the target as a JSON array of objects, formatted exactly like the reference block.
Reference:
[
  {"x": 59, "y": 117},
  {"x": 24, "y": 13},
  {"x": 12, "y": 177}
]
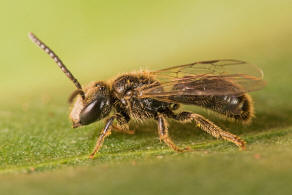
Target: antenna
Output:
[{"x": 59, "y": 62}]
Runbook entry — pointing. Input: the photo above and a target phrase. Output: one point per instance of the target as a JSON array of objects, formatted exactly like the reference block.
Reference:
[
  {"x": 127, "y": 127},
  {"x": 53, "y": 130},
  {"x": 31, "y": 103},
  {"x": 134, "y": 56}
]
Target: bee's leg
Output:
[
  {"x": 104, "y": 133},
  {"x": 209, "y": 127},
  {"x": 122, "y": 125},
  {"x": 123, "y": 129},
  {"x": 163, "y": 134}
]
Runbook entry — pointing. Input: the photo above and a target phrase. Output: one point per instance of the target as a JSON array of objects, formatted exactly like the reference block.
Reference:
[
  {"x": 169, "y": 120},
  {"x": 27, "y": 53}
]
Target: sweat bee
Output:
[{"x": 217, "y": 85}]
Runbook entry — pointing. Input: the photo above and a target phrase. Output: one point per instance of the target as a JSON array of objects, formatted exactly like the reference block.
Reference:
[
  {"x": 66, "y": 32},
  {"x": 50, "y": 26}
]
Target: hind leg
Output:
[
  {"x": 209, "y": 127},
  {"x": 163, "y": 134}
]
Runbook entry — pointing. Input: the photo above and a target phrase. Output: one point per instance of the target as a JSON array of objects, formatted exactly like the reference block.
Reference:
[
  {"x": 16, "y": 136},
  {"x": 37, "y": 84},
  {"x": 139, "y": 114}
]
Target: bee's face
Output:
[{"x": 96, "y": 106}]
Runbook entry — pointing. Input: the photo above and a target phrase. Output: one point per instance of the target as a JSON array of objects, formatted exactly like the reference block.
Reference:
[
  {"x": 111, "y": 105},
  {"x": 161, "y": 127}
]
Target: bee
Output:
[{"x": 221, "y": 86}]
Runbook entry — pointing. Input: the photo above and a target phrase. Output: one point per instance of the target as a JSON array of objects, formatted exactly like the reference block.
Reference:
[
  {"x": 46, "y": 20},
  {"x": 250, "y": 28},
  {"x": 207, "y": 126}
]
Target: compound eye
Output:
[{"x": 92, "y": 111}]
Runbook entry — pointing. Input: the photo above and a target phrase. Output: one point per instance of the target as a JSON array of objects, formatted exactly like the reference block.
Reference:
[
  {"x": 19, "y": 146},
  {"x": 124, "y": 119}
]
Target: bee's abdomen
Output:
[{"x": 235, "y": 107}]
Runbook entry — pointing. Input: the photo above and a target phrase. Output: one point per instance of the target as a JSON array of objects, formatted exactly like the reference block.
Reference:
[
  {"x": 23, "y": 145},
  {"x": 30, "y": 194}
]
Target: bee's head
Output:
[
  {"x": 93, "y": 102},
  {"x": 95, "y": 106}
]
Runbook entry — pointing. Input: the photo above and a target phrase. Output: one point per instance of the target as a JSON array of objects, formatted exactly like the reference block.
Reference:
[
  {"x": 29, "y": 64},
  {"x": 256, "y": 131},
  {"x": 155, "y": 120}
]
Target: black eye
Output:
[
  {"x": 90, "y": 113},
  {"x": 94, "y": 111}
]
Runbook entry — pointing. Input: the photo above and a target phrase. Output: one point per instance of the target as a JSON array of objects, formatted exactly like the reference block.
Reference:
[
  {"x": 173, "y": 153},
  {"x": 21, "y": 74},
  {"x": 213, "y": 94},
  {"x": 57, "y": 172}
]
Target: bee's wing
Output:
[{"x": 216, "y": 77}]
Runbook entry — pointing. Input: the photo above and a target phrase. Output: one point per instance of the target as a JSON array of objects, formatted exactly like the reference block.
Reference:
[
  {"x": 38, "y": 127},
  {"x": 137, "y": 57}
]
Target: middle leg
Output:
[
  {"x": 122, "y": 125},
  {"x": 163, "y": 134}
]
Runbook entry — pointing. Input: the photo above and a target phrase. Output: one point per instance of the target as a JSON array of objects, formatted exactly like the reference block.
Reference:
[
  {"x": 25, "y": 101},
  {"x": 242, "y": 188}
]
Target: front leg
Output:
[{"x": 104, "y": 133}]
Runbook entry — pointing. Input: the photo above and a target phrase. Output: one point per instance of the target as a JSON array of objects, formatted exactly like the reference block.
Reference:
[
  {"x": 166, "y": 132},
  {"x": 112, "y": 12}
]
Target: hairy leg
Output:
[
  {"x": 122, "y": 125},
  {"x": 123, "y": 129},
  {"x": 163, "y": 134},
  {"x": 209, "y": 127},
  {"x": 104, "y": 133}
]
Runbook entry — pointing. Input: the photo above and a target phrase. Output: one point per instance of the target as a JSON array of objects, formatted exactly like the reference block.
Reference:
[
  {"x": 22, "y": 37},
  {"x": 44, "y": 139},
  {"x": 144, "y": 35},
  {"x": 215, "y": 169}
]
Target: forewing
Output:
[{"x": 216, "y": 77}]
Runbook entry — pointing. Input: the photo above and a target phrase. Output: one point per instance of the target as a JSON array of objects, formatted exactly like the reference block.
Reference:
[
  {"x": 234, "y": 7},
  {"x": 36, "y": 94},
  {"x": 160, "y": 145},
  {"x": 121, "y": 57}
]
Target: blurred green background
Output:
[{"x": 99, "y": 39}]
